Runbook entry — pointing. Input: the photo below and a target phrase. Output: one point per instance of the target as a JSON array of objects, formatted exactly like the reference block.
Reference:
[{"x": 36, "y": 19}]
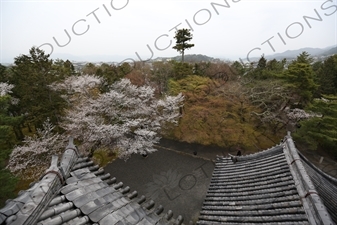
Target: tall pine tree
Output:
[{"x": 183, "y": 36}]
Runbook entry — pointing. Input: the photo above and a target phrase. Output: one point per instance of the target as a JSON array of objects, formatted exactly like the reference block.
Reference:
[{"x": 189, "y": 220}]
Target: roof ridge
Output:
[
  {"x": 307, "y": 191},
  {"x": 67, "y": 190},
  {"x": 256, "y": 155},
  {"x": 28, "y": 206},
  {"x": 274, "y": 182}
]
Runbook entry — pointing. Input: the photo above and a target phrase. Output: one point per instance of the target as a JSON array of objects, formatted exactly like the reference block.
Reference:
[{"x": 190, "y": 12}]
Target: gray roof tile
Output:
[
  {"x": 268, "y": 187},
  {"x": 275, "y": 186},
  {"x": 79, "y": 192}
]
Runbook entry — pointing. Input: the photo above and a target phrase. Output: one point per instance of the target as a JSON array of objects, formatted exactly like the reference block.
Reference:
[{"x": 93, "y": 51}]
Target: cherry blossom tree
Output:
[
  {"x": 31, "y": 158},
  {"x": 126, "y": 118},
  {"x": 5, "y": 88},
  {"x": 78, "y": 84},
  {"x": 35, "y": 154},
  {"x": 296, "y": 115}
]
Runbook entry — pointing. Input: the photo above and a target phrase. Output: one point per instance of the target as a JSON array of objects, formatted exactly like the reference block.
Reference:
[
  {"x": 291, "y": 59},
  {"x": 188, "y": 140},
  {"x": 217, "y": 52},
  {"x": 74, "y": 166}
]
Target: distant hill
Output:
[
  {"x": 89, "y": 58},
  {"x": 108, "y": 58},
  {"x": 292, "y": 54},
  {"x": 330, "y": 52},
  {"x": 320, "y": 53},
  {"x": 189, "y": 58}
]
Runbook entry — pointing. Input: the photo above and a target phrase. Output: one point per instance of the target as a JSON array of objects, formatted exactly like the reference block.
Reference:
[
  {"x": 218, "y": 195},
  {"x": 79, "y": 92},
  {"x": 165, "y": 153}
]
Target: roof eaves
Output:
[{"x": 264, "y": 153}]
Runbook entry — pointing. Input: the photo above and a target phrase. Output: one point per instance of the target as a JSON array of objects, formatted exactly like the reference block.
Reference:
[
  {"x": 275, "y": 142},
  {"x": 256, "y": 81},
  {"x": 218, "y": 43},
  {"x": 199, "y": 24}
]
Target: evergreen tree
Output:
[
  {"x": 3, "y": 73},
  {"x": 319, "y": 132},
  {"x": 160, "y": 74},
  {"x": 89, "y": 69},
  {"x": 63, "y": 69},
  {"x": 304, "y": 57},
  {"x": 7, "y": 140},
  {"x": 276, "y": 66},
  {"x": 239, "y": 68},
  {"x": 183, "y": 36},
  {"x": 262, "y": 63},
  {"x": 111, "y": 73},
  {"x": 201, "y": 68},
  {"x": 267, "y": 69},
  {"x": 181, "y": 69},
  {"x": 327, "y": 76},
  {"x": 31, "y": 75},
  {"x": 260, "y": 71},
  {"x": 300, "y": 79},
  {"x": 6, "y": 123}
]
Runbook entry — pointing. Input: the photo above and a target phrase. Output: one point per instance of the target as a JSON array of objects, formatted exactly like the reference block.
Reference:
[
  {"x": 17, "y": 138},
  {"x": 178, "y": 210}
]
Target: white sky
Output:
[{"x": 231, "y": 33}]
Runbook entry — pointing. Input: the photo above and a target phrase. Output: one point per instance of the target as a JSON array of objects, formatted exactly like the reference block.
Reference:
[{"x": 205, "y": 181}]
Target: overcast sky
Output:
[{"x": 121, "y": 28}]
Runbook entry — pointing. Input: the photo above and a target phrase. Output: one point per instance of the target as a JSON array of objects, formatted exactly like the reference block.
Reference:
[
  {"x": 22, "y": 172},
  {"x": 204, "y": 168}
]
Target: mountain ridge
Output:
[
  {"x": 288, "y": 54},
  {"x": 292, "y": 54}
]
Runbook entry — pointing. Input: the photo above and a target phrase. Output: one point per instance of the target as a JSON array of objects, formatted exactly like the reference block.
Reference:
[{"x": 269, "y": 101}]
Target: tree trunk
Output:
[
  {"x": 182, "y": 56},
  {"x": 29, "y": 128},
  {"x": 18, "y": 133}
]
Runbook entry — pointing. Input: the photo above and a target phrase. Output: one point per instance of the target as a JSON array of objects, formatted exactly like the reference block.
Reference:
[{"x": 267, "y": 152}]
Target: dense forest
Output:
[{"x": 123, "y": 109}]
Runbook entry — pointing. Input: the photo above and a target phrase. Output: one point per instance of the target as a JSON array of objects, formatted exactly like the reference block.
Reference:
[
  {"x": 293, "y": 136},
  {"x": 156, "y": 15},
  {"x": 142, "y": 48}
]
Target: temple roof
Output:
[
  {"x": 78, "y": 192},
  {"x": 269, "y": 187},
  {"x": 275, "y": 186}
]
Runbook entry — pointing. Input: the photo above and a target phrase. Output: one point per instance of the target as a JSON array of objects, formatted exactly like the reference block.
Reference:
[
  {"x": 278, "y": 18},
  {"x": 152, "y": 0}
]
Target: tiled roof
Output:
[
  {"x": 79, "y": 192},
  {"x": 269, "y": 187},
  {"x": 275, "y": 186}
]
